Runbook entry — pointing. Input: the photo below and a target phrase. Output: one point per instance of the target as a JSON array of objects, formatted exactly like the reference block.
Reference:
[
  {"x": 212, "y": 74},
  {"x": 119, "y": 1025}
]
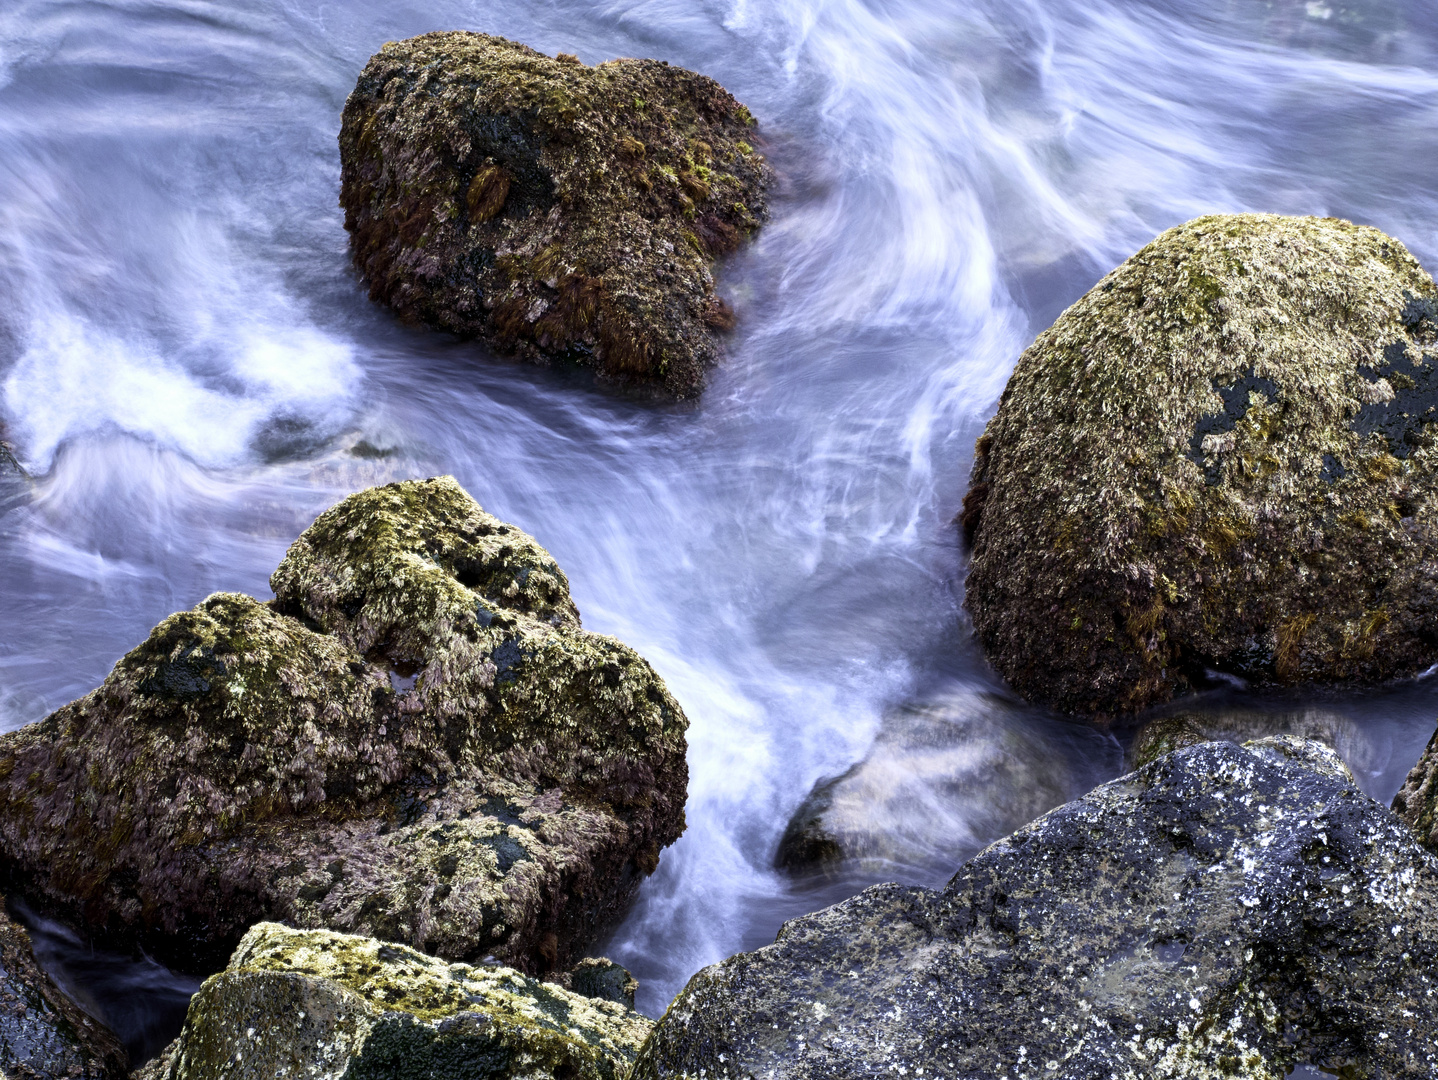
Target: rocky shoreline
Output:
[{"x": 391, "y": 812}]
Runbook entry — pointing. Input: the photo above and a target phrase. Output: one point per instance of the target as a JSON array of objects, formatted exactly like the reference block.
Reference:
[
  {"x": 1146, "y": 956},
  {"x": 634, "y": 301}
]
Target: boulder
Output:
[
  {"x": 415, "y": 740},
  {"x": 1225, "y": 911},
  {"x": 549, "y": 208},
  {"x": 1417, "y": 800},
  {"x": 942, "y": 779},
  {"x": 329, "y": 1006},
  {"x": 1219, "y": 460},
  {"x": 1163, "y": 734},
  {"x": 43, "y": 1034}
]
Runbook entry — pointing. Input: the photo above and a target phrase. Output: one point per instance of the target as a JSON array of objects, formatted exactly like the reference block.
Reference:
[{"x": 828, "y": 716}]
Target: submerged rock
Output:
[
  {"x": 415, "y": 740},
  {"x": 550, "y": 208},
  {"x": 1417, "y": 800},
  {"x": 1220, "y": 459},
  {"x": 1164, "y": 734},
  {"x": 1225, "y": 911},
  {"x": 43, "y": 1034},
  {"x": 942, "y": 779},
  {"x": 332, "y": 1006}
]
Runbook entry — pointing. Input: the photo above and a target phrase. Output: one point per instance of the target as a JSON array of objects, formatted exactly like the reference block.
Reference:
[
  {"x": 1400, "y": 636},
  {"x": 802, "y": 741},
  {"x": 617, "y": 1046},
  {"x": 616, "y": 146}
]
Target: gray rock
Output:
[
  {"x": 1352, "y": 742},
  {"x": 942, "y": 779},
  {"x": 43, "y": 1034},
  {"x": 327, "y": 1006},
  {"x": 1417, "y": 800},
  {"x": 1224, "y": 911}
]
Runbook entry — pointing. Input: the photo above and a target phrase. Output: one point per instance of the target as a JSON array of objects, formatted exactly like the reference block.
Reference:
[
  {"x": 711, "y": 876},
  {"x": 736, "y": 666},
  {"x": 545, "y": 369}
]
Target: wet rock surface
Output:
[
  {"x": 1417, "y": 800},
  {"x": 415, "y": 740},
  {"x": 43, "y": 1034},
  {"x": 1221, "y": 459},
  {"x": 323, "y": 1005},
  {"x": 1186, "y": 727},
  {"x": 942, "y": 779},
  {"x": 552, "y": 209},
  {"x": 1224, "y": 911}
]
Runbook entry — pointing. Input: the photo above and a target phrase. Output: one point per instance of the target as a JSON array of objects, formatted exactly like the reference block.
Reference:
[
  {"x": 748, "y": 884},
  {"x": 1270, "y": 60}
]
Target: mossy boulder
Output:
[
  {"x": 1224, "y": 912},
  {"x": 43, "y": 1034},
  {"x": 415, "y": 740},
  {"x": 1417, "y": 800},
  {"x": 552, "y": 209},
  {"x": 330, "y": 1006},
  {"x": 1220, "y": 459}
]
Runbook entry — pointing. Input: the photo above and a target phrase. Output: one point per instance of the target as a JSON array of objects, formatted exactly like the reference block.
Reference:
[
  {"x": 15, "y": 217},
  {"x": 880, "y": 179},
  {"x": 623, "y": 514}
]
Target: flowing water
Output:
[{"x": 191, "y": 371}]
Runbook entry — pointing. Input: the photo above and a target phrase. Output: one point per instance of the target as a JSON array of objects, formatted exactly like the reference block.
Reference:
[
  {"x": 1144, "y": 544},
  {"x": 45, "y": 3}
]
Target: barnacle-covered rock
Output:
[
  {"x": 550, "y": 208},
  {"x": 1225, "y": 911},
  {"x": 333, "y": 1006},
  {"x": 1220, "y": 459},
  {"x": 1417, "y": 800},
  {"x": 43, "y": 1034},
  {"x": 415, "y": 740}
]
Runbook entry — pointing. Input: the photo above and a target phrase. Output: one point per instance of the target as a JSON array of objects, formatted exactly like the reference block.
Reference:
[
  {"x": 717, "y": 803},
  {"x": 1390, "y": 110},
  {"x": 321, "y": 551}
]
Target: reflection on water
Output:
[{"x": 192, "y": 372}]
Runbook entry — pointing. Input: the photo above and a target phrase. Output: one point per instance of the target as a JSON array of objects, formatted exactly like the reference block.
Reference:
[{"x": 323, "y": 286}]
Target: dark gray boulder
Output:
[
  {"x": 43, "y": 1034},
  {"x": 1225, "y": 911}
]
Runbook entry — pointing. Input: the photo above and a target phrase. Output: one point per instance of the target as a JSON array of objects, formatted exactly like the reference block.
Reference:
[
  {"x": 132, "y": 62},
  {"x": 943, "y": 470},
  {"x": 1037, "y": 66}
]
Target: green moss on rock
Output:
[
  {"x": 415, "y": 740},
  {"x": 550, "y": 208},
  {"x": 325, "y": 1005},
  {"x": 1220, "y": 458}
]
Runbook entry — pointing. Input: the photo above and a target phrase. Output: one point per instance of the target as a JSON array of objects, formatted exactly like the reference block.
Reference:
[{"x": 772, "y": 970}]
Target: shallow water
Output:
[{"x": 192, "y": 372}]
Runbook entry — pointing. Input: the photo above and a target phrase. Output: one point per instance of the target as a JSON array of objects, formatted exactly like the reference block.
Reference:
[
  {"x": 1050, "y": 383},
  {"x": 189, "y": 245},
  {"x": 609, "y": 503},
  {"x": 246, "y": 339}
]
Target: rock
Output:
[
  {"x": 158, "y": 1068},
  {"x": 1160, "y": 736},
  {"x": 597, "y": 977},
  {"x": 1224, "y": 911},
  {"x": 415, "y": 740},
  {"x": 43, "y": 1034},
  {"x": 1417, "y": 800},
  {"x": 329, "y": 1006},
  {"x": 942, "y": 779},
  {"x": 1218, "y": 460},
  {"x": 551, "y": 209}
]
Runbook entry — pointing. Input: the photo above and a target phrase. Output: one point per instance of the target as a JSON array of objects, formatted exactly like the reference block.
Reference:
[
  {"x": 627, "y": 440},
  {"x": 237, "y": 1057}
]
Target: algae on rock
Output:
[
  {"x": 329, "y": 1006},
  {"x": 415, "y": 740},
  {"x": 1219, "y": 459},
  {"x": 550, "y": 208}
]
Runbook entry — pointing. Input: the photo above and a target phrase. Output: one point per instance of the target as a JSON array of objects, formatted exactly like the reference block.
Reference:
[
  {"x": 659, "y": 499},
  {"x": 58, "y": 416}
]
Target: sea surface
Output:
[{"x": 192, "y": 372}]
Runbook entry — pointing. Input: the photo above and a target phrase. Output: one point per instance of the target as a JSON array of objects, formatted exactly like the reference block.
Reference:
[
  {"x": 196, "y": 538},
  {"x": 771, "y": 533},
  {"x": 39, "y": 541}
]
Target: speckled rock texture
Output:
[
  {"x": 1219, "y": 459},
  {"x": 1223, "y": 912},
  {"x": 1417, "y": 800},
  {"x": 43, "y": 1034},
  {"x": 328, "y": 1006},
  {"x": 942, "y": 779},
  {"x": 552, "y": 209},
  {"x": 415, "y": 740}
]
